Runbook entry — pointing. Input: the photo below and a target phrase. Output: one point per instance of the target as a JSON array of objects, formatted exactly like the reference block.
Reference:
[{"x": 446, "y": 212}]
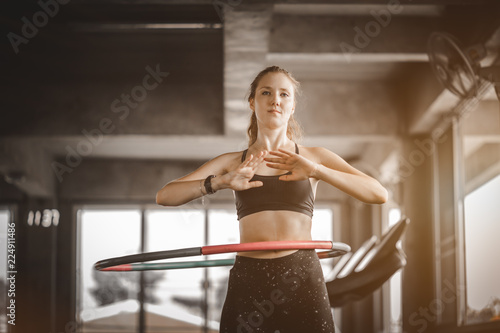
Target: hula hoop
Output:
[{"x": 137, "y": 262}]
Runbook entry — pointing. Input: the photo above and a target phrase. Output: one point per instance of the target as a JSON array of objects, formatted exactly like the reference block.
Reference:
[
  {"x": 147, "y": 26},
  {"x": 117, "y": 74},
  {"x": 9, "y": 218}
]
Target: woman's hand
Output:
[
  {"x": 239, "y": 179},
  {"x": 300, "y": 167}
]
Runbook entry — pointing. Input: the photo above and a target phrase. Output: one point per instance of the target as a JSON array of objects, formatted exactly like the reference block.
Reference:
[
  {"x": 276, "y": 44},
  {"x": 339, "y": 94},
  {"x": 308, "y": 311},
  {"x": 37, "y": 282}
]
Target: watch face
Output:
[{"x": 208, "y": 184}]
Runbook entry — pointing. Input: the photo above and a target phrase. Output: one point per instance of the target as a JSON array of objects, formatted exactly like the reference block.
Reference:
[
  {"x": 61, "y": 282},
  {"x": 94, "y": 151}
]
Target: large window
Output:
[
  {"x": 177, "y": 296},
  {"x": 480, "y": 135},
  {"x": 482, "y": 229},
  {"x": 108, "y": 300},
  {"x": 187, "y": 300},
  {"x": 395, "y": 284}
]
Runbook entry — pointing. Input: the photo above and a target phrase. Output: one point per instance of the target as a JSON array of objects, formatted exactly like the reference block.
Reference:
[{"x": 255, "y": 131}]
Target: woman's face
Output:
[{"x": 274, "y": 100}]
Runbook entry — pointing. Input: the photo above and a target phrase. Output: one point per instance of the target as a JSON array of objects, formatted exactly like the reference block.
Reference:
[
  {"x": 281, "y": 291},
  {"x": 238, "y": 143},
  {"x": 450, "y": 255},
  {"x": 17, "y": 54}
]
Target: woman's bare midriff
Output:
[{"x": 273, "y": 226}]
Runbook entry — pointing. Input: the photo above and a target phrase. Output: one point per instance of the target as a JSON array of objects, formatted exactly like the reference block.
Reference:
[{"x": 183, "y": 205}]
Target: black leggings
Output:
[{"x": 279, "y": 295}]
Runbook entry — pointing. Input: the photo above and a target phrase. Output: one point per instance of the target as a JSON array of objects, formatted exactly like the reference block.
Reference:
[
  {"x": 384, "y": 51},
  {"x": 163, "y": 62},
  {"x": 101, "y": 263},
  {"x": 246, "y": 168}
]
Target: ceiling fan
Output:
[{"x": 459, "y": 69}]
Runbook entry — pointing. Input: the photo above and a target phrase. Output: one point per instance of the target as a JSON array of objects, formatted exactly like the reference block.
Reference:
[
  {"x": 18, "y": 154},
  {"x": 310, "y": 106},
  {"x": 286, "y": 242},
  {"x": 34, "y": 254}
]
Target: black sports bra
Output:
[{"x": 275, "y": 194}]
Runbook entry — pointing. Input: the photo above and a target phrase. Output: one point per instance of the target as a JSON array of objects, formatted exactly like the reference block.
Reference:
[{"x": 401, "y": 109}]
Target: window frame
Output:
[{"x": 459, "y": 192}]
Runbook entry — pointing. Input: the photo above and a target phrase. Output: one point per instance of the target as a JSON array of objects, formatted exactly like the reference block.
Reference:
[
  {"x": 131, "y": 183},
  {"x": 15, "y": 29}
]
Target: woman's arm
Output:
[
  {"x": 332, "y": 169},
  {"x": 191, "y": 186}
]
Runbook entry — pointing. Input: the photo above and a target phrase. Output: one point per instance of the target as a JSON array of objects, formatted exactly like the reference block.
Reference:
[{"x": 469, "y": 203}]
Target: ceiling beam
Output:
[
  {"x": 347, "y": 36},
  {"x": 172, "y": 147}
]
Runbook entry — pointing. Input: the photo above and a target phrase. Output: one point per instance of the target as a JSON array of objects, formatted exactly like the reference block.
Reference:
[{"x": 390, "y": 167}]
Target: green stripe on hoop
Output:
[{"x": 179, "y": 265}]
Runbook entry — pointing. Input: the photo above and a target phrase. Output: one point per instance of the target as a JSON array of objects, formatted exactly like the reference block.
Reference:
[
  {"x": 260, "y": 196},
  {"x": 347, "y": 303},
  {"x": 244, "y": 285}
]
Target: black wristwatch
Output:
[{"x": 208, "y": 184}]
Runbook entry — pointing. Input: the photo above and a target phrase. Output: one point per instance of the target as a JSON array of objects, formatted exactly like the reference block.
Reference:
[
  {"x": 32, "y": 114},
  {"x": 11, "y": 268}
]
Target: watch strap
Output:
[{"x": 208, "y": 184}]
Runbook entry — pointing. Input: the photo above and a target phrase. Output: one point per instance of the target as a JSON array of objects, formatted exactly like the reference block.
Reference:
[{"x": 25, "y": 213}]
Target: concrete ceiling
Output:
[{"x": 363, "y": 66}]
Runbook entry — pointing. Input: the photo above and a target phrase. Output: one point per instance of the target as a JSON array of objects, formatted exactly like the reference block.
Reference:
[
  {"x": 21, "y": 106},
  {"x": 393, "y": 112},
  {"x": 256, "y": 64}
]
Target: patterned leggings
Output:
[{"x": 279, "y": 295}]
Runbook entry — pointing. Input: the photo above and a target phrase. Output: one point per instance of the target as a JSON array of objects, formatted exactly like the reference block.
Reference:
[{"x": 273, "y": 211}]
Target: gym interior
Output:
[{"x": 104, "y": 102}]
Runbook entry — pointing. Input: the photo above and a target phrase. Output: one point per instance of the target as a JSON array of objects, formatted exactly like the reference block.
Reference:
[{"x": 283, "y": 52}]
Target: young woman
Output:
[{"x": 275, "y": 182}]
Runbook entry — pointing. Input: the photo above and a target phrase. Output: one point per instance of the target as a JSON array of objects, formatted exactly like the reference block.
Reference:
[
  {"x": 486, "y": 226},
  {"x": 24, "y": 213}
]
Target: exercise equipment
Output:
[
  {"x": 368, "y": 268},
  {"x": 354, "y": 276},
  {"x": 138, "y": 262}
]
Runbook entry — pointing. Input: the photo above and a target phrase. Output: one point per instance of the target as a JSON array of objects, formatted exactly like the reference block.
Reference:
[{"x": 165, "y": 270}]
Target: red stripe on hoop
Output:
[
  {"x": 263, "y": 246},
  {"x": 125, "y": 268}
]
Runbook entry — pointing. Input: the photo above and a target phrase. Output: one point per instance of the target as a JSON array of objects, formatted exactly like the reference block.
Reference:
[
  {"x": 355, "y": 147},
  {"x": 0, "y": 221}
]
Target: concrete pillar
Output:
[
  {"x": 246, "y": 36},
  {"x": 357, "y": 317},
  {"x": 24, "y": 157},
  {"x": 418, "y": 206}
]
